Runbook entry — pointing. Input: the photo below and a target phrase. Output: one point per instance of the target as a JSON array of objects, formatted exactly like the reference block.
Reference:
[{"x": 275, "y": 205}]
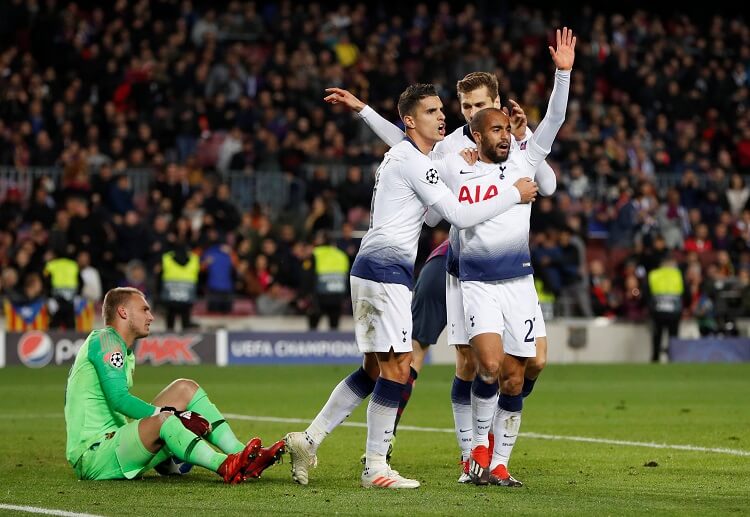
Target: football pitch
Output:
[{"x": 595, "y": 440}]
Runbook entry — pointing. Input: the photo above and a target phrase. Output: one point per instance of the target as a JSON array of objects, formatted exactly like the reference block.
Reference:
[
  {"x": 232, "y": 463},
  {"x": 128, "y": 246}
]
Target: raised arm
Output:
[
  {"x": 546, "y": 179},
  {"x": 386, "y": 131},
  {"x": 563, "y": 56},
  {"x": 545, "y": 176}
]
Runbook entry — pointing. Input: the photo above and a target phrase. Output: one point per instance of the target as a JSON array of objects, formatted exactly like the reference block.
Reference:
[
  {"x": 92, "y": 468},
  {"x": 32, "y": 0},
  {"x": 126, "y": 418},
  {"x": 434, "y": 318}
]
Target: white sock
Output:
[
  {"x": 464, "y": 425},
  {"x": 381, "y": 419},
  {"x": 483, "y": 404},
  {"x": 345, "y": 398},
  {"x": 506, "y": 426}
]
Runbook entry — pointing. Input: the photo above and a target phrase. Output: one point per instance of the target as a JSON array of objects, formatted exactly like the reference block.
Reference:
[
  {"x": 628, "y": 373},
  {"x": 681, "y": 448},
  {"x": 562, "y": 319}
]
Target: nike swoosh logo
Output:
[
  {"x": 387, "y": 432},
  {"x": 509, "y": 436},
  {"x": 464, "y": 430},
  {"x": 466, "y": 172},
  {"x": 483, "y": 421}
]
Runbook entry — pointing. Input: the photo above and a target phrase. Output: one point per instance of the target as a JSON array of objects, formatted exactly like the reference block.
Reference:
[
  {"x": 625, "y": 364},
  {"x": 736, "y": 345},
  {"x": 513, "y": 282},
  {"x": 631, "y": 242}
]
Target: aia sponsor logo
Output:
[
  {"x": 35, "y": 349},
  {"x": 465, "y": 195},
  {"x": 171, "y": 349}
]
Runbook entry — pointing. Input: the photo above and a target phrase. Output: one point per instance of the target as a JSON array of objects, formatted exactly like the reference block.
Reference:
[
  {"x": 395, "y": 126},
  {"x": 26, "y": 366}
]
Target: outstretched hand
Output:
[
  {"x": 565, "y": 53},
  {"x": 345, "y": 97}
]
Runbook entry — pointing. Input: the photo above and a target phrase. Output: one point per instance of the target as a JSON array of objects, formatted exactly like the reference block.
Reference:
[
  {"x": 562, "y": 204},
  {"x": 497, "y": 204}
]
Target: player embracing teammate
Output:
[{"x": 407, "y": 184}]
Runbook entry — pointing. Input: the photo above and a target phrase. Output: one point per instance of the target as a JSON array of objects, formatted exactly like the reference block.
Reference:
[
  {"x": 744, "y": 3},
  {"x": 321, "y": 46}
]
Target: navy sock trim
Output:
[
  {"x": 387, "y": 393},
  {"x": 405, "y": 396},
  {"x": 510, "y": 402},
  {"x": 483, "y": 390},
  {"x": 461, "y": 392},
  {"x": 360, "y": 383},
  {"x": 528, "y": 386}
]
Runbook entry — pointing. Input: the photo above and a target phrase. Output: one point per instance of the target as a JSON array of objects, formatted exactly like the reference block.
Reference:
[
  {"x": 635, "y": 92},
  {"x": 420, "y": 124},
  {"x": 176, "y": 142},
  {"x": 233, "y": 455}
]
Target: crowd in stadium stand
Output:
[{"x": 653, "y": 158}]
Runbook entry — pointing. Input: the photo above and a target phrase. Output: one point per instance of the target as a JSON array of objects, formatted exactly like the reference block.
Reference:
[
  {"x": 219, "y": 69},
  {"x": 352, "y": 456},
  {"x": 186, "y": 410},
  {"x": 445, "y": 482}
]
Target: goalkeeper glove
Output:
[{"x": 193, "y": 421}]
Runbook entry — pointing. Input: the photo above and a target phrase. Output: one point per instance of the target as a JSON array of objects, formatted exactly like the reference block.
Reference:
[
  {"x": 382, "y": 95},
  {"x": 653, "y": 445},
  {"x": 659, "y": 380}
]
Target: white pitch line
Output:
[
  {"x": 44, "y": 511},
  {"x": 538, "y": 436}
]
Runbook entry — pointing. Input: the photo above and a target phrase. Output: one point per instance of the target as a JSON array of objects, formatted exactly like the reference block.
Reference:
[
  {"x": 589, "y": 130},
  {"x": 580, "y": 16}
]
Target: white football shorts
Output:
[
  {"x": 382, "y": 316},
  {"x": 540, "y": 328},
  {"x": 454, "y": 305},
  {"x": 504, "y": 307}
]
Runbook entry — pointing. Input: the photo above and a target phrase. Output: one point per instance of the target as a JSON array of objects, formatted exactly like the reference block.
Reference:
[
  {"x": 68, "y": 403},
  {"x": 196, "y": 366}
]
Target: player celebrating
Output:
[
  {"x": 101, "y": 444},
  {"x": 406, "y": 184},
  {"x": 497, "y": 285},
  {"x": 434, "y": 288}
]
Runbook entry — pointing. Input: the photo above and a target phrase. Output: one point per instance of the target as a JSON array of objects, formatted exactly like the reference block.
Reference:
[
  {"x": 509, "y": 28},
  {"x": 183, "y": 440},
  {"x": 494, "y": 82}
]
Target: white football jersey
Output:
[
  {"x": 498, "y": 248},
  {"x": 406, "y": 184},
  {"x": 455, "y": 142},
  {"x": 459, "y": 139}
]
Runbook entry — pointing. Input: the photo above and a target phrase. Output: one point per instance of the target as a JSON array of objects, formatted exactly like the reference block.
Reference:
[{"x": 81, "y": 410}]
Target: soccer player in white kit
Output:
[
  {"x": 497, "y": 285},
  {"x": 407, "y": 184},
  {"x": 476, "y": 91}
]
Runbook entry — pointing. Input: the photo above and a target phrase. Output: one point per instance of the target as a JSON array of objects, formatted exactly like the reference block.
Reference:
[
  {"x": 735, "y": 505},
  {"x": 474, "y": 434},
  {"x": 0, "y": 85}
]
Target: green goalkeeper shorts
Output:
[{"x": 120, "y": 455}]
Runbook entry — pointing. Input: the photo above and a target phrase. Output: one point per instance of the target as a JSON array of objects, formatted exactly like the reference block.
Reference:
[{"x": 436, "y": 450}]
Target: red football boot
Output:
[
  {"x": 267, "y": 456},
  {"x": 232, "y": 470},
  {"x": 479, "y": 466}
]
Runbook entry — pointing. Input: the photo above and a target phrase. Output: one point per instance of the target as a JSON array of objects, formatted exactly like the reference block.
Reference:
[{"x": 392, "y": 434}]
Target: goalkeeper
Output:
[{"x": 181, "y": 421}]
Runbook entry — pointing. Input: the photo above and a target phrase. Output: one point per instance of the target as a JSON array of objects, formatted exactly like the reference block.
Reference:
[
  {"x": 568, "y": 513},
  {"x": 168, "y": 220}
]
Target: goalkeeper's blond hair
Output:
[{"x": 114, "y": 299}]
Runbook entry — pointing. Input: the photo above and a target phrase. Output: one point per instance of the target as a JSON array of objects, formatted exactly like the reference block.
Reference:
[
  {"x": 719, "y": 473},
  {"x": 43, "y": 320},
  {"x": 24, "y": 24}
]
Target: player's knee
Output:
[
  {"x": 185, "y": 389},
  {"x": 488, "y": 370},
  {"x": 512, "y": 384}
]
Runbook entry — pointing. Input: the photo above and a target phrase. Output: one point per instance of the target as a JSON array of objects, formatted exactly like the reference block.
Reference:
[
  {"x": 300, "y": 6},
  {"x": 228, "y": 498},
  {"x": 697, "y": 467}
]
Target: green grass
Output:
[{"x": 702, "y": 405}]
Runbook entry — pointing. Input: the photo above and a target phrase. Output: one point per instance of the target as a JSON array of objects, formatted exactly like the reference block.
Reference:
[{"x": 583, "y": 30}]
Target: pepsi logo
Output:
[{"x": 35, "y": 349}]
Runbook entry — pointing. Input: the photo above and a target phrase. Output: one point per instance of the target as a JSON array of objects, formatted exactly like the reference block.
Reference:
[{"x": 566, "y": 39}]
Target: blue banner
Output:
[
  {"x": 292, "y": 348},
  {"x": 709, "y": 350}
]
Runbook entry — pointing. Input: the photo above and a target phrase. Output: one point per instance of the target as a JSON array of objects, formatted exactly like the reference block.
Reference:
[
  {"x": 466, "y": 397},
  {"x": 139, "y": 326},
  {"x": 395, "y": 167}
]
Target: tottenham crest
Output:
[{"x": 432, "y": 177}]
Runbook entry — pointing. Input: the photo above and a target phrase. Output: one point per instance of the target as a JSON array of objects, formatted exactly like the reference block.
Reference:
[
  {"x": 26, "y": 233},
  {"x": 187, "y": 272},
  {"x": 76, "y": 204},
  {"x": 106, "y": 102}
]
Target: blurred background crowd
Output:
[{"x": 184, "y": 148}]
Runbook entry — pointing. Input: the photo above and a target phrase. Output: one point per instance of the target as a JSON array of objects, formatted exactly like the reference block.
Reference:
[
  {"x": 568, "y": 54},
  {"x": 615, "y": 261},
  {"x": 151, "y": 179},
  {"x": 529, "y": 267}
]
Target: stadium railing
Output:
[{"x": 273, "y": 189}]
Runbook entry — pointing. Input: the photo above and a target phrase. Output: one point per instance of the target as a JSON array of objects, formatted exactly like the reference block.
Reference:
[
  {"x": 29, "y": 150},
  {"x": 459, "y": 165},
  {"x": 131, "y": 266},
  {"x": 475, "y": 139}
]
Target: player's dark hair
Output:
[
  {"x": 114, "y": 299},
  {"x": 476, "y": 80},
  {"x": 409, "y": 99},
  {"x": 479, "y": 120}
]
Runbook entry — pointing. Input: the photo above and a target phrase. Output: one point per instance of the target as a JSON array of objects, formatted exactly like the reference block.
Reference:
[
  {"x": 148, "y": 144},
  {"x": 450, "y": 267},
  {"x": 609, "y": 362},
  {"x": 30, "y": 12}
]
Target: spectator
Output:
[
  {"x": 353, "y": 191},
  {"x": 700, "y": 241},
  {"x": 672, "y": 221},
  {"x": 737, "y": 195},
  {"x": 218, "y": 262},
  {"x": 91, "y": 288},
  {"x": 572, "y": 275},
  {"x": 320, "y": 217},
  {"x": 120, "y": 106}
]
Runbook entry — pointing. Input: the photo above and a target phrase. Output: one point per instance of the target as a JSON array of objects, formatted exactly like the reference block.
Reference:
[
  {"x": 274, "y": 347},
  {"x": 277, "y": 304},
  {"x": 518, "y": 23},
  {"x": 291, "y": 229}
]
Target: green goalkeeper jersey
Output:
[{"x": 97, "y": 400}]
